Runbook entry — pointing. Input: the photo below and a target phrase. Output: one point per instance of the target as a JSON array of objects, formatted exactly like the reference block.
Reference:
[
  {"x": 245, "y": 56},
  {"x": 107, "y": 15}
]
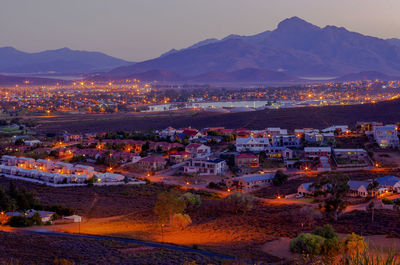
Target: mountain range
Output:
[
  {"x": 296, "y": 48},
  {"x": 62, "y": 60}
]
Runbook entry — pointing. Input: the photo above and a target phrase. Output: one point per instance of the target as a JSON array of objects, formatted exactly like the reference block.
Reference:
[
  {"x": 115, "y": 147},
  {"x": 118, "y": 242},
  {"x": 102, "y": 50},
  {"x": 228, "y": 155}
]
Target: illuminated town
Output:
[{"x": 200, "y": 132}]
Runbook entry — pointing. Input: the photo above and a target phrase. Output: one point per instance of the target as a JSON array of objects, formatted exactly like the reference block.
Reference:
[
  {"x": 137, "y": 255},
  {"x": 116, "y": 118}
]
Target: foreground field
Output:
[
  {"x": 21, "y": 248},
  {"x": 313, "y": 117},
  {"x": 127, "y": 211}
]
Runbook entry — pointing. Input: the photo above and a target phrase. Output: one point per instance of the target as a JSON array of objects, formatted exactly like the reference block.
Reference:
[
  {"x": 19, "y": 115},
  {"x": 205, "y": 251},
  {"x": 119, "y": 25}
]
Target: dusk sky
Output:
[{"x": 142, "y": 29}]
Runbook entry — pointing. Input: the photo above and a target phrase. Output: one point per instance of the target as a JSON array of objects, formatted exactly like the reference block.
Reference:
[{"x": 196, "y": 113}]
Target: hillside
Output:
[
  {"x": 60, "y": 61},
  {"x": 295, "y": 47}
]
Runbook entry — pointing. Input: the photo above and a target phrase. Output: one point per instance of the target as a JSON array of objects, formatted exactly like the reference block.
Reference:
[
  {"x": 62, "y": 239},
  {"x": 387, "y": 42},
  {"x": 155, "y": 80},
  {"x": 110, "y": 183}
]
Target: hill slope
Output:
[
  {"x": 295, "y": 46},
  {"x": 61, "y": 61}
]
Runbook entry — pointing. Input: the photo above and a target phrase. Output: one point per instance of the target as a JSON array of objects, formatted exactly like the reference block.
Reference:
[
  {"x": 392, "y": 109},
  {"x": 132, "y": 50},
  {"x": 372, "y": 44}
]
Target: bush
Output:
[
  {"x": 239, "y": 202},
  {"x": 191, "y": 200},
  {"x": 280, "y": 178},
  {"x": 20, "y": 221},
  {"x": 353, "y": 244},
  {"x": 307, "y": 244},
  {"x": 387, "y": 201},
  {"x": 181, "y": 220},
  {"x": 325, "y": 231}
]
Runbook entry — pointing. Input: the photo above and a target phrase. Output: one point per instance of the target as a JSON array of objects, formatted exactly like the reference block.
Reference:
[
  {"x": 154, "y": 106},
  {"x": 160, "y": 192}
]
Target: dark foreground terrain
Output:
[
  {"x": 314, "y": 117},
  {"x": 23, "y": 248}
]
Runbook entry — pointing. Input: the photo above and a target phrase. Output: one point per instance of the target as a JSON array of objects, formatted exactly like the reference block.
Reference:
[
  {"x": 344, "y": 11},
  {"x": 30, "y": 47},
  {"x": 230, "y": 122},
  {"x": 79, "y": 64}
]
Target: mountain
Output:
[
  {"x": 368, "y": 75},
  {"x": 295, "y": 47},
  {"x": 394, "y": 41},
  {"x": 61, "y": 61},
  {"x": 6, "y": 80}
]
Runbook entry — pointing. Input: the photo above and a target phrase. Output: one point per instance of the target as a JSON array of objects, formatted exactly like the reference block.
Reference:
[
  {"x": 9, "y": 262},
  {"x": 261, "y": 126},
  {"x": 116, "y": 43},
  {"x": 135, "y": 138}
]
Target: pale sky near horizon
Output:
[{"x": 143, "y": 29}]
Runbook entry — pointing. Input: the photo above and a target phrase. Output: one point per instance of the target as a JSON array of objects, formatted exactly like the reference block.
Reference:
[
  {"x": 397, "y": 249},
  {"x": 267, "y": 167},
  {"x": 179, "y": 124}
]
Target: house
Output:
[
  {"x": 314, "y": 152},
  {"x": 251, "y": 144},
  {"x": 83, "y": 170},
  {"x": 192, "y": 134},
  {"x": 324, "y": 164},
  {"x": 32, "y": 143},
  {"x": 367, "y": 126},
  {"x": 9, "y": 170},
  {"x": 249, "y": 182},
  {"x": 167, "y": 133},
  {"x": 152, "y": 163},
  {"x": 109, "y": 177},
  {"x": 386, "y": 136},
  {"x": 305, "y": 189},
  {"x": 44, "y": 165},
  {"x": 198, "y": 150},
  {"x": 286, "y": 140},
  {"x": 9, "y": 160},
  {"x": 26, "y": 162},
  {"x": 336, "y": 128},
  {"x": 351, "y": 154},
  {"x": 205, "y": 167},
  {"x": 179, "y": 157},
  {"x": 63, "y": 168},
  {"x": 313, "y": 137},
  {"x": 358, "y": 188},
  {"x": 44, "y": 215},
  {"x": 247, "y": 160},
  {"x": 278, "y": 152},
  {"x": 69, "y": 137},
  {"x": 392, "y": 183},
  {"x": 275, "y": 132}
]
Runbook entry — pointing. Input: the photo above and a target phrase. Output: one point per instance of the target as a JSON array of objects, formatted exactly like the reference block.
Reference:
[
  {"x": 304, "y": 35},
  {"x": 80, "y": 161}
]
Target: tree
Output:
[
  {"x": 334, "y": 188},
  {"x": 192, "y": 201},
  {"x": 354, "y": 244},
  {"x": 307, "y": 215},
  {"x": 280, "y": 178},
  {"x": 325, "y": 231},
  {"x": 307, "y": 244},
  {"x": 371, "y": 208},
  {"x": 36, "y": 219},
  {"x": 168, "y": 204},
  {"x": 6, "y": 203},
  {"x": 239, "y": 202},
  {"x": 181, "y": 220}
]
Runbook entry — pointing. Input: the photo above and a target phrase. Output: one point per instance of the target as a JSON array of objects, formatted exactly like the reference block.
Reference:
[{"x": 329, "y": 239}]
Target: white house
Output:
[
  {"x": 386, "y": 136},
  {"x": 9, "y": 160},
  {"x": 313, "y": 152},
  {"x": 332, "y": 129},
  {"x": 358, "y": 188},
  {"x": 198, "y": 150},
  {"x": 278, "y": 152},
  {"x": 205, "y": 167},
  {"x": 249, "y": 182},
  {"x": 63, "y": 168},
  {"x": 251, "y": 144},
  {"x": 305, "y": 189},
  {"x": 44, "y": 165},
  {"x": 275, "y": 131},
  {"x": 286, "y": 140},
  {"x": 83, "y": 170},
  {"x": 110, "y": 177},
  {"x": 353, "y": 154}
]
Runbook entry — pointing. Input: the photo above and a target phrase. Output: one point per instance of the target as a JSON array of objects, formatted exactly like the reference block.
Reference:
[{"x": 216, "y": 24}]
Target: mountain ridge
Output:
[
  {"x": 295, "y": 47},
  {"x": 63, "y": 60}
]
